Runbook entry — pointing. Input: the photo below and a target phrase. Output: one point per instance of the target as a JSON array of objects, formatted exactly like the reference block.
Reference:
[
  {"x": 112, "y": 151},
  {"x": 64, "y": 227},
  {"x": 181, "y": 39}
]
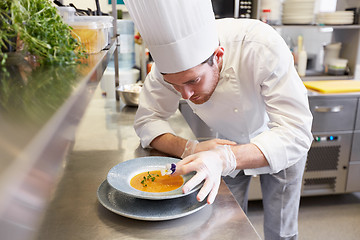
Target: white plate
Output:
[
  {"x": 297, "y": 21},
  {"x": 298, "y": 1},
  {"x": 335, "y": 17},
  {"x": 298, "y": 17},
  {"x": 337, "y": 13},
  {"x": 120, "y": 175},
  {"x": 142, "y": 209},
  {"x": 335, "y": 22},
  {"x": 300, "y": 6}
]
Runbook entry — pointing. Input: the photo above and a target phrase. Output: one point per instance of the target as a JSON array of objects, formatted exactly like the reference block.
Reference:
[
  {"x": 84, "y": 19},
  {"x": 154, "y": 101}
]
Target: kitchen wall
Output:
[
  {"x": 84, "y": 4},
  {"x": 347, "y": 3}
]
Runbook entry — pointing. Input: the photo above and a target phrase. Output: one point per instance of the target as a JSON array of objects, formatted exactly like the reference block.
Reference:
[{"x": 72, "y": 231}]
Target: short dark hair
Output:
[{"x": 210, "y": 60}]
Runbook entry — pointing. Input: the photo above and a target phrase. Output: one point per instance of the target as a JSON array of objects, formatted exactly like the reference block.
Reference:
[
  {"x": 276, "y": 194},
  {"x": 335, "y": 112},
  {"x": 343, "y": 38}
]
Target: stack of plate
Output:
[
  {"x": 335, "y": 18},
  {"x": 117, "y": 195},
  {"x": 298, "y": 12}
]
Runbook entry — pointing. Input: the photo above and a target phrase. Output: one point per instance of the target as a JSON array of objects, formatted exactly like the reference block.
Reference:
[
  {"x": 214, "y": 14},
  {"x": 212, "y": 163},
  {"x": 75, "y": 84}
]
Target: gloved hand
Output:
[
  {"x": 193, "y": 146},
  {"x": 189, "y": 148},
  {"x": 209, "y": 166}
]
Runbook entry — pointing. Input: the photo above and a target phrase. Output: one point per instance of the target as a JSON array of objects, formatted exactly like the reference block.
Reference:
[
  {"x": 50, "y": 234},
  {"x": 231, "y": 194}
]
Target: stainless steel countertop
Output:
[
  {"x": 39, "y": 111},
  {"x": 318, "y": 95},
  {"x": 106, "y": 137}
]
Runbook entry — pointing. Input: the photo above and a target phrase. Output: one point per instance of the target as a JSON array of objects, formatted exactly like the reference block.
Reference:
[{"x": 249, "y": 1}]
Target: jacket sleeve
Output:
[
  {"x": 286, "y": 102},
  {"x": 158, "y": 101}
]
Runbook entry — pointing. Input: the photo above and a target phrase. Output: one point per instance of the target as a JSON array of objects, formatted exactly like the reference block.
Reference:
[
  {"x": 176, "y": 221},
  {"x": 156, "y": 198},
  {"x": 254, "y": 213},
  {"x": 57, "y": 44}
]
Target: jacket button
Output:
[
  {"x": 227, "y": 75},
  {"x": 236, "y": 110}
]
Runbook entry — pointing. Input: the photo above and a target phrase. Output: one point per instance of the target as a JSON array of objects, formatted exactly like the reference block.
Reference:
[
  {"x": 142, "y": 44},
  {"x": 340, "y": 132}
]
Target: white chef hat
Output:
[{"x": 180, "y": 34}]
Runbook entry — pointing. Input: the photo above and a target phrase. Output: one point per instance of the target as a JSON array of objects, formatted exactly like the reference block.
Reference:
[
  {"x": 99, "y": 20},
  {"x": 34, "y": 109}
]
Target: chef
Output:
[{"x": 238, "y": 76}]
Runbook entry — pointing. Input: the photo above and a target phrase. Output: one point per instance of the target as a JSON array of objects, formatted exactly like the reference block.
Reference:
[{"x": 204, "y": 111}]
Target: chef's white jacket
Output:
[{"x": 259, "y": 98}]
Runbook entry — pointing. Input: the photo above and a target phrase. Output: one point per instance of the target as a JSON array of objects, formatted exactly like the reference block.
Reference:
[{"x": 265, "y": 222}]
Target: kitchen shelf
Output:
[
  {"x": 312, "y": 75},
  {"x": 39, "y": 112},
  {"x": 302, "y": 26}
]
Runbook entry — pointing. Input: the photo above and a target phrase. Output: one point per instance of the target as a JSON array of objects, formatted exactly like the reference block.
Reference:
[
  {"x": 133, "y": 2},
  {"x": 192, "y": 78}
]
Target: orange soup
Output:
[{"x": 152, "y": 181}]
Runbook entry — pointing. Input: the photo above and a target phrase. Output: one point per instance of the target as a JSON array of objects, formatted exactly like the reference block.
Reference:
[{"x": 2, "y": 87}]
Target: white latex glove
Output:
[
  {"x": 209, "y": 166},
  {"x": 189, "y": 148},
  {"x": 193, "y": 146}
]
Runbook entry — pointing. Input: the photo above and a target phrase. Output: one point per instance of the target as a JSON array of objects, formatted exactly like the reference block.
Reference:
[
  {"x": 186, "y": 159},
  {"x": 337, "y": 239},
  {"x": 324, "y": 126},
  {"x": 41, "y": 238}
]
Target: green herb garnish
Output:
[{"x": 149, "y": 177}]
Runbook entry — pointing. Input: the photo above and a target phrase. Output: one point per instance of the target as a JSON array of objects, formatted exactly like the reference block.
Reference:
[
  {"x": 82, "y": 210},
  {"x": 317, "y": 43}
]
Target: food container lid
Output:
[
  {"x": 66, "y": 9},
  {"x": 103, "y": 19},
  {"x": 337, "y": 63},
  {"x": 86, "y": 25}
]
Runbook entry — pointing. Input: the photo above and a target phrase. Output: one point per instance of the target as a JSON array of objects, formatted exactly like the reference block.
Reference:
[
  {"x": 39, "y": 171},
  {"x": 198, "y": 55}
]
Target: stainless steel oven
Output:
[
  {"x": 353, "y": 181},
  {"x": 327, "y": 164}
]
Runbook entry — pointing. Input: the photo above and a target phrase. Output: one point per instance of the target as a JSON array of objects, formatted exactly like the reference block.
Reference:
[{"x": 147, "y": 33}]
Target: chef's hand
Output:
[
  {"x": 193, "y": 146},
  {"x": 209, "y": 166}
]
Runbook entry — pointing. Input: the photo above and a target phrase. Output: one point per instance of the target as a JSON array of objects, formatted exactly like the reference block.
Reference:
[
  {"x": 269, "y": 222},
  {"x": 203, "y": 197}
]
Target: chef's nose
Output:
[{"x": 186, "y": 92}]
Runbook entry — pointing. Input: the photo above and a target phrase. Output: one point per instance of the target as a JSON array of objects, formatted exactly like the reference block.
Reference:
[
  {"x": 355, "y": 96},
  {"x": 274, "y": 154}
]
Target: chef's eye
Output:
[{"x": 192, "y": 82}]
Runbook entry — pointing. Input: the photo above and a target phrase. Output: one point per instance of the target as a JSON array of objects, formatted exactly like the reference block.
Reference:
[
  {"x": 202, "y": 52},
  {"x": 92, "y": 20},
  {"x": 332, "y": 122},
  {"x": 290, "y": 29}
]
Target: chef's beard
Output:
[{"x": 203, "y": 97}]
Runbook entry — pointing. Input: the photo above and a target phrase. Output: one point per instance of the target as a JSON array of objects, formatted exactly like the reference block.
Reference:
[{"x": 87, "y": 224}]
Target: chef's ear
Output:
[{"x": 219, "y": 53}]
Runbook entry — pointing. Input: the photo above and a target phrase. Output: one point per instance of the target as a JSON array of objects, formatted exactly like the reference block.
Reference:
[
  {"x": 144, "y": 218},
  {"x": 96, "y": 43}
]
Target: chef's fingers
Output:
[
  {"x": 225, "y": 142},
  {"x": 213, "y": 193},
  {"x": 193, "y": 182},
  {"x": 186, "y": 160},
  {"x": 205, "y": 189},
  {"x": 186, "y": 165}
]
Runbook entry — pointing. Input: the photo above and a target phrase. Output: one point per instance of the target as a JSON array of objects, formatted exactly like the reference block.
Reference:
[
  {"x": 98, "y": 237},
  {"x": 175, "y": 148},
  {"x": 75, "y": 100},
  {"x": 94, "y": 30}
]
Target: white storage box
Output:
[
  {"x": 67, "y": 13},
  {"x": 91, "y": 34},
  {"x": 106, "y": 20}
]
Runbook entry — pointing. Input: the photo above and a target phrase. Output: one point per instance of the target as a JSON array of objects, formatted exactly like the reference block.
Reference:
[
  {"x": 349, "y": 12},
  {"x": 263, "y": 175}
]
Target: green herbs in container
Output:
[{"x": 40, "y": 31}]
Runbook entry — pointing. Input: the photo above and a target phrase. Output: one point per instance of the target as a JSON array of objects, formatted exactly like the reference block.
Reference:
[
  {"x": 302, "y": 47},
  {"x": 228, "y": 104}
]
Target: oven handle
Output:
[{"x": 333, "y": 109}]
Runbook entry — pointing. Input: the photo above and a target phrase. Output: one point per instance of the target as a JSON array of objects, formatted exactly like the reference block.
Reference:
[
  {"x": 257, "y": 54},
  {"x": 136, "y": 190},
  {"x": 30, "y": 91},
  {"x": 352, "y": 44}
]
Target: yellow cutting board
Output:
[{"x": 334, "y": 86}]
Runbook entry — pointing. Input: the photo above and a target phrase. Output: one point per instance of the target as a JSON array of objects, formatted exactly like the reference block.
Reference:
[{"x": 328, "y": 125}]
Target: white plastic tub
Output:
[
  {"x": 90, "y": 34},
  {"x": 67, "y": 13},
  {"x": 106, "y": 20}
]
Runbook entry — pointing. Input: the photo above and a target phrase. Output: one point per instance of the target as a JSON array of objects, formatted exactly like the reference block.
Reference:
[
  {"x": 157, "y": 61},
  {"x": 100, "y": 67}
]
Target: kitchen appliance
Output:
[
  {"x": 233, "y": 8},
  {"x": 328, "y": 158},
  {"x": 223, "y": 8},
  {"x": 245, "y": 9}
]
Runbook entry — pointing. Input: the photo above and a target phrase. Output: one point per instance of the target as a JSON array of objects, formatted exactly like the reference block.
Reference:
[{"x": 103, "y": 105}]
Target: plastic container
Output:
[
  {"x": 274, "y": 7},
  {"x": 67, "y": 13},
  {"x": 106, "y": 20},
  {"x": 91, "y": 34},
  {"x": 302, "y": 63},
  {"x": 301, "y": 58},
  {"x": 331, "y": 51},
  {"x": 337, "y": 66},
  {"x": 125, "y": 29},
  {"x": 265, "y": 15}
]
